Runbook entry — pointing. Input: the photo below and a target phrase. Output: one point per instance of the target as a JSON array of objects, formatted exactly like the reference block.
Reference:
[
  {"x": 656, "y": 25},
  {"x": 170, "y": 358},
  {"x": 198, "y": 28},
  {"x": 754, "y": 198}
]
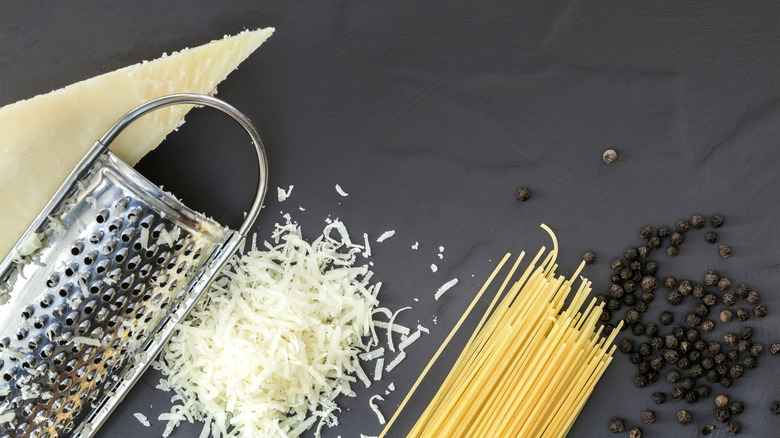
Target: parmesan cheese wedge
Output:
[{"x": 42, "y": 139}]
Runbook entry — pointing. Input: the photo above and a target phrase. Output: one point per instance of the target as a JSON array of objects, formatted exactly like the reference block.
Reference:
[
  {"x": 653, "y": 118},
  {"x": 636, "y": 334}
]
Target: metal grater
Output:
[{"x": 97, "y": 284}]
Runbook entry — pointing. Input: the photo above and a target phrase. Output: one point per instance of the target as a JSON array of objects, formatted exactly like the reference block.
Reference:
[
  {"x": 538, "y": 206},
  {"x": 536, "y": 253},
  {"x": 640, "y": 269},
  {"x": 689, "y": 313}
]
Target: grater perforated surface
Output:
[{"x": 96, "y": 286}]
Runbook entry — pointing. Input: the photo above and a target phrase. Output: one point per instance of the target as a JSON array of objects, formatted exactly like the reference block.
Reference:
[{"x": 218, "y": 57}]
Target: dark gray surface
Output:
[{"x": 432, "y": 114}]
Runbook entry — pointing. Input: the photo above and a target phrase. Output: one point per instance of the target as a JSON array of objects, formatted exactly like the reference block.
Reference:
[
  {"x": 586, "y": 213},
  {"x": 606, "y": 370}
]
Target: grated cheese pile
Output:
[{"x": 271, "y": 345}]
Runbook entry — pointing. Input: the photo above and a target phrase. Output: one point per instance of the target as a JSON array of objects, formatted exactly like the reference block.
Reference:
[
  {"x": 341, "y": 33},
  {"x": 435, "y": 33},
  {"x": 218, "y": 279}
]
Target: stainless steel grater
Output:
[{"x": 97, "y": 284}]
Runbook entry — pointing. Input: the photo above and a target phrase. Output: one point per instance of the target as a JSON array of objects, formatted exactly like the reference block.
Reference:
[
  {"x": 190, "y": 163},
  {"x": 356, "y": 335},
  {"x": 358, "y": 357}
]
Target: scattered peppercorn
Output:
[
  {"x": 750, "y": 362},
  {"x": 711, "y": 278},
  {"x": 730, "y": 339},
  {"x": 693, "y": 320},
  {"x": 648, "y": 417},
  {"x": 702, "y": 310},
  {"x": 728, "y": 298},
  {"x": 742, "y": 291},
  {"x": 760, "y": 311},
  {"x": 616, "y": 425},
  {"x": 753, "y": 297},
  {"x": 721, "y": 401},
  {"x": 744, "y": 345},
  {"x": 673, "y": 376},
  {"x": 523, "y": 194},
  {"x": 678, "y": 393},
  {"x": 697, "y": 291},
  {"x": 640, "y": 381},
  {"x": 676, "y": 239},
  {"x": 736, "y": 407},
  {"x": 682, "y": 226},
  {"x": 714, "y": 347},
  {"x": 726, "y": 315},
  {"x": 697, "y": 221},
  {"x": 724, "y": 251},
  {"x": 774, "y": 348},
  {"x": 722, "y": 414},
  {"x": 691, "y": 397},
  {"x": 708, "y": 326},
  {"x": 707, "y": 429},
  {"x": 632, "y": 317},
  {"x": 670, "y": 283},
  {"x": 704, "y": 391},
  {"x": 645, "y": 232},
  {"x": 775, "y": 407},
  {"x": 724, "y": 284},
  {"x": 654, "y": 242},
  {"x": 589, "y": 257},
  {"x": 630, "y": 254},
  {"x": 609, "y": 156},
  {"x": 643, "y": 251},
  {"x": 667, "y": 318},
  {"x": 736, "y": 371},
  {"x": 635, "y": 432},
  {"x": 757, "y": 350},
  {"x": 711, "y": 237},
  {"x": 684, "y": 417},
  {"x": 651, "y": 329},
  {"x": 710, "y": 299},
  {"x": 732, "y": 428},
  {"x": 674, "y": 298},
  {"x": 716, "y": 221},
  {"x": 649, "y": 283},
  {"x": 647, "y": 297},
  {"x": 733, "y": 355},
  {"x": 638, "y": 329},
  {"x": 743, "y": 314},
  {"x": 746, "y": 332},
  {"x": 672, "y": 251},
  {"x": 616, "y": 264},
  {"x": 725, "y": 382},
  {"x": 659, "y": 397}
]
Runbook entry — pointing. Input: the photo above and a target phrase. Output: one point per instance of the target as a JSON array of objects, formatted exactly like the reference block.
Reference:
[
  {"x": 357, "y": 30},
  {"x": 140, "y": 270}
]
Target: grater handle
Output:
[{"x": 213, "y": 102}]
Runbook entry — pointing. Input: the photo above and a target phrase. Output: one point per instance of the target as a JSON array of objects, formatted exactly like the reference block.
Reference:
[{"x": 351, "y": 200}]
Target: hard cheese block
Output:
[{"x": 42, "y": 139}]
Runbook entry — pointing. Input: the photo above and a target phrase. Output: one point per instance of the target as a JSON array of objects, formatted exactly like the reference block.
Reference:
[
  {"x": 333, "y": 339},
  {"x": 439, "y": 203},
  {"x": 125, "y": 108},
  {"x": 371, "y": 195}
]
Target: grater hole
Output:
[
  {"x": 53, "y": 280},
  {"x": 102, "y": 266},
  {"x": 77, "y": 247},
  {"x": 120, "y": 257},
  {"x": 71, "y": 318},
  {"x": 147, "y": 221},
  {"x": 46, "y": 351},
  {"x": 21, "y": 333},
  {"x": 151, "y": 251},
  {"x": 133, "y": 263},
  {"x": 109, "y": 247},
  {"x": 34, "y": 342},
  {"x": 98, "y": 359},
  {"x": 84, "y": 326},
  {"x": 133, "y": 214},
  {"x": 4, "y": 343},
  {"x": 102, "y": 216},
  {"x": 40, "y": 321},
  {"x": 127, "y": 235},
  {"x": 164, "y": 304},
  {"x": 69, "y": 367},
  {"x": 22, "y": 429},
  {"x": 137, "y": 289},
  {"x": 112, "y": 322},
  {"x": 96, "y": 287},
  {"x": 157, "y": 231},
  {"x": 46, "y": 301},
  {"x": 189, "y": 249},
  {"x": 129, "y": 310},
  {"x": 90, "y": 258},
  {"x": 52, "y": 330},
  {"x": 145, "y": 270},
  {"x": 162, "y": 258},
  {"x": 28, "y": 312},
  {"x": 197, "y": 254},
  {"x": 138, "y": 247},
  {"x": 57, "y": 360},
  {"x": 59, "y": 310},
  {"x": 65, "y": 290},
  {"x": 95, "y": 238},
  {"x": 101, "y": 315},
  {"x": 115, "y": 225},
  {"x": 118, "y": 303},
  {"x": 29, "y": 362},
  {"x": 89, "y": 307}
]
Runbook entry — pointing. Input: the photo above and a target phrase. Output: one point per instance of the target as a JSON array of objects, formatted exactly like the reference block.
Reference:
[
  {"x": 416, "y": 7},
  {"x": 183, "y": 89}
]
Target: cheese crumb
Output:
[
  {"x": 283, "y": 195},
  {"x": 434, "y": 268},
  {"x": 445, "y": 287},
  {"x": 386, "y": 235},
  {"x": 416, "y": 245},
  {"x": 341, "y": 191},
  {"x": 142, "y": 419},
  {"x": 375, "y": 408}
]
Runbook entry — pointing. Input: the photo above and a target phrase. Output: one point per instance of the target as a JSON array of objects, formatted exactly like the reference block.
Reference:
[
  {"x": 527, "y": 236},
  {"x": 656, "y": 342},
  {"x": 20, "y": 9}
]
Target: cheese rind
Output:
[{"x": 43, "y": 138}]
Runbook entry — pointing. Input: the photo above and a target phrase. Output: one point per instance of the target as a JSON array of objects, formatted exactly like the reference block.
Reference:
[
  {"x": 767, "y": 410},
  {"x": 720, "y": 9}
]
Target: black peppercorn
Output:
[
  {"x": 746, "y": 332},
  {"x": 760, "y": 311},
  {"x": 659, "y": 397},
  {"x": 716, "y": 221},
  {"x": 667, "y": 318},
  {"x": 697, "y": 291},
  {"x": 704, "y": 391},
  {"x": 670, "y": 283},
  {"x": 678, "y": 332},
  {"x": 589, "y": 257},
  {"x": 682, "y": 226},
  {"x": 707, "y": 429},
  {"x": 744, "y": 345},
  {"x": 714, "y": 347},
  {"x": 736, "y": 407},
  {"x": 702, "y": 310},
  {"x": 654, "y": 242},
  {"x": 725, "y": 382},
  {"x": 694, "y": 356},
  {"x": 643, "y": 251},
  {"x": 613, "y": 305},
  {"x": 774, "y": 348},
  {"x": 693, "y": 320},
  {"x": 687, "y": 383},
  {"x": 632, "y": 317},
  {"x": 616, "y": 425},
  {"x": 743, "y": 314},
  {"x": 712, "y": 376},
  {"x": 640, "y": 306},
  {"x": 671, "y": 356},
  {"x": 726, "y": 315},
  {"x": 637, "y": 277},
  {"x": 700, "y": 345},
  {"x": 643, "y": 368},
  {"x": 722, "y": 414},
  {"x": 721, "y": 401},
  {"x": 692, "y": 335},
  {"x": 601, "y": 299},
  {"x": 753, "y": 297},
  {"x": 736, "y": 371},
  {"x": 672, "y": 251},
  {"x": 626, "y": 273},
  {"x": 605, "y": 316},
  {"x": 672, "y": 376},
  {"x": 678, "y": 393},
  {"x": 742, "y": 291},
  {"x": 733, "y": 355},
  {"x": 730, "y": 339},
  {"x": 697, "y": 221},
  {"x": 638, "y": 329},
  {"x": 640, "y": 381},
  {"x": 629, "y": 286},
  {"x": 616, "y": 264},
  {"x": 683, "y": 363},
  {"x": 720, "y": 358},
  {"x": 676, "y": 239},
  {"x": 657, "y": 362},
  {"x": 635, "y": 432},
  {"x": 711, "y": 278},
  {"x": 649, "y": 283},
  {"x": 645, "y": 350},
  {"x": 626, "y": 345},
  {"x": 724, "y": 251},
  {"x": 710, "y": 300},
  {"x": 750, "y": 362},
  {"x": 651, "y": 267},
  {"x": 523, "y": 194},
  {"x": 663, "y": 232},
  {"x": 696, "y": 371},
  {"x": 645, "y": 232},
  {"x": 722, "y": 370},
  {"x": 652, "y": 376},
  {"x": 757, "y": 350},
  {"x": 674, "y": 298},
  {"x": 651, "y": 329},
  {"x": 630, "y": 254},
  {"x": 635, "y": 266},
  {"x": 647, "y": 297},
  {"x": 708, "y": 325},
  {"x": 635, "y": 357},
  {"x": 707, "y": 363},
  {"x": 648, "y": 417},
  {"x": 724, "y": 284},
  {"x": 691, "y": 397},
  {"x": 684, "y": 417},
  {"x": 616, "y": 279},
  {"x": 775, "y": 407},
  {"x": 684, "y": 288},
  {"x": 711, "y": 237},
  {"x": 629, "y": 299},
  {"x": 656, "y": 342},
  {"x": 671, "y": 341},
  {"x": 616, "y": 291},
  {"x": 732, "y": 428}
]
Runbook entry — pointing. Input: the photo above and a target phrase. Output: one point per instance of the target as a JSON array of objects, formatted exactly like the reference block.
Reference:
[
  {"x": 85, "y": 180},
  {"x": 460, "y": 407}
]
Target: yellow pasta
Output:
[{"x": 529, "y": 366}]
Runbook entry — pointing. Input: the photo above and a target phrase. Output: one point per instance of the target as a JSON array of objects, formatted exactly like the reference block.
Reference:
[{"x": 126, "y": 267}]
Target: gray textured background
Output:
[{"x": 431, "y": 114}]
